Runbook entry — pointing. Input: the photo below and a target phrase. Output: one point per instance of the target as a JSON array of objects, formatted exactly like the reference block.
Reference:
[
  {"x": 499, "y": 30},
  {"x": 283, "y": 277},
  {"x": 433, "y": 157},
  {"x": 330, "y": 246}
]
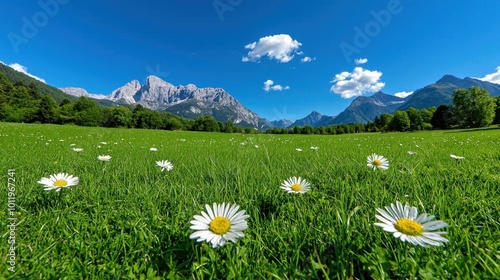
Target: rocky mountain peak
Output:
[
  {"x": 126, "y": 92},
  {"x": 190, "y": 87},
  {"x": 449, "y": 79}
]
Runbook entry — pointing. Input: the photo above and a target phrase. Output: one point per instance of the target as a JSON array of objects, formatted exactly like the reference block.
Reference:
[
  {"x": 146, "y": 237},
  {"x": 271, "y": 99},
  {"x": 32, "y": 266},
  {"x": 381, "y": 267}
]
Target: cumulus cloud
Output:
[
  {"x": 492, "y": 78},
  {"x": 23, "y": 69},
  {"x": 280, "y": 47},
  {"x": 403, "y": 94},
  {"x": 307, "y": 59},
  {"x": 269, "y": 85},
  {"x": 353, "y": 84},
  {"x": 360, "y": 61}
]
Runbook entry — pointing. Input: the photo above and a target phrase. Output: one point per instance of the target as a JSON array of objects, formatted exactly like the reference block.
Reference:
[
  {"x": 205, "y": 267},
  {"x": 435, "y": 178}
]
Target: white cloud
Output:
[
  {"x": 269, "y": 85},
  {"x": 403, "y": 94},
  {"x": 307, "y": 59},
  {"x": 353, "y": 84},
  {"x": 492, "y": 78},
  {"x": 23, "y": 69},
  {"x": 280, "y": 47},
  {"x": 360, "y": 61}
]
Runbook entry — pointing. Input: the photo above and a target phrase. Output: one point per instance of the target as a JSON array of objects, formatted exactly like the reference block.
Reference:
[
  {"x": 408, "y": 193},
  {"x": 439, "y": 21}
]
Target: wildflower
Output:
[
  {"x": 403, "y": 222},
  {"x": 104, "y": 158},
  {"x": 457, "y": 157},
  {"x": 58, "y": 181},
  {"x": 295, "y": 185},
  {"x": 411, "y": 153},
  {"x": 375, "y": 161},
  {"x": 78, "y": 150},
  {"x": 165, "y": 165},
  {"x": 153, "y": 149},
  {"x": 221, "y": 223},
  {"x": 298, "y": 149}
]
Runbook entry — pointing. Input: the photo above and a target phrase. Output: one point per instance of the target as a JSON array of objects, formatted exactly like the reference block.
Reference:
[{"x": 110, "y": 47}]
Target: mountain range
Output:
[
  {"x": 364, "y": 109},
  {"x": 191, "y": 102},
  {"x": 187, "y": 101}
]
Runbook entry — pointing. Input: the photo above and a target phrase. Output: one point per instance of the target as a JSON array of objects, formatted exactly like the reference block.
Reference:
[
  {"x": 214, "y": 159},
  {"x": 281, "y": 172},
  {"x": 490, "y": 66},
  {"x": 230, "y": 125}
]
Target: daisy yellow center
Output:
[
  {"x": 60, "y": 183},
  {"x": 296, "y": 187},
  {"x": 220, "y": 225},
  {"x": 377, "y": 162},
  {"x": 409, "y": 227}
]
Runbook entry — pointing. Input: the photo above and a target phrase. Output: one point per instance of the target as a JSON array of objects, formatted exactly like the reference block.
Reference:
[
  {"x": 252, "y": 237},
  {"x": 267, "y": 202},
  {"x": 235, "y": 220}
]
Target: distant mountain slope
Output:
[
  {"x": 17, "y": 77},
  {"x": 325, "y": 121},
  {"x": 364, "y": 108},
  {"x": 278, "y": 123},
  {"x": 82, "y": 92},
  {"x": 442, "y": 91},
  {"x": 310, "y": 119}
]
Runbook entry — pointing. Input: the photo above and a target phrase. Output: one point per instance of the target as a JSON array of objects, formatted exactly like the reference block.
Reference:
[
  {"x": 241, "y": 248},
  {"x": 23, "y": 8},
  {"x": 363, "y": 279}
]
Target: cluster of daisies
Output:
[{"x": 220, "y": 223}]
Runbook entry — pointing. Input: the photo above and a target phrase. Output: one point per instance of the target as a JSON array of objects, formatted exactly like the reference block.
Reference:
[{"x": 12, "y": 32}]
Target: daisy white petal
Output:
[
  {"x": 377, "y": 162},
  {"x": 221, "y": 223},
  {"x": 58, "y": 181},
  {"x": 404, "y": 223},
  {"x": 295, "y": 185},
  {"x": 165, "y": 165},
  {"x": 104, "y": 158}
]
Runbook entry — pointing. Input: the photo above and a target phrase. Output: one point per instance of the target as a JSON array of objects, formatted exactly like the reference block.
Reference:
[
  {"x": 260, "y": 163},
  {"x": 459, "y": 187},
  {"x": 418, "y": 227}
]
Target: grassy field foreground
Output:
[{"x": 126, "y": 219}]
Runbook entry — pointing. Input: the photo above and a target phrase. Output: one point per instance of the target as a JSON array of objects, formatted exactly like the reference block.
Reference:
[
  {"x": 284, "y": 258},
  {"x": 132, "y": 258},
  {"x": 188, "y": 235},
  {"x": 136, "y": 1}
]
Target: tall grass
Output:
[{"x": 129, "y": 220}]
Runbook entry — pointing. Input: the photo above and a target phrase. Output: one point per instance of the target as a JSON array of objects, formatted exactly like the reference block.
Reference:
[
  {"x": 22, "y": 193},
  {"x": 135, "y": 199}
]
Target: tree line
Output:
[
  {"x": 471, "y": 108},
  {"x": 24, "y": 103}
]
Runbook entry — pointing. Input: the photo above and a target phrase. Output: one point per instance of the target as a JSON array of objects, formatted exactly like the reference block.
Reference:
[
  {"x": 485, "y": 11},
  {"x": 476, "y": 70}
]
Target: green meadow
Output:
[{"x": 126, "y": 219}]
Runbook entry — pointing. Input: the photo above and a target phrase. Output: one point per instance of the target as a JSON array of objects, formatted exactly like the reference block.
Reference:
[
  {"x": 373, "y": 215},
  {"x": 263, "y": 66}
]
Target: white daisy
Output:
[
  {"x": 411, "y": 153},
  {"x": 165, "y": 165},
  {"x": 58, "y": 181},
  {"x": 104, "y": 158},
  {"x": 314, "y": 148},
  {"x": 78, "y": 150},
  {"x": 298, "y": 149},
  {"x": 403, "y": 222},
  {"x": 295, "y": 185},
  {"x": 375, "y": 161},
  {"x": 221, "y": 223},
  {"x": 457, "y": 157},
  {"x": 153, "y": 149}
]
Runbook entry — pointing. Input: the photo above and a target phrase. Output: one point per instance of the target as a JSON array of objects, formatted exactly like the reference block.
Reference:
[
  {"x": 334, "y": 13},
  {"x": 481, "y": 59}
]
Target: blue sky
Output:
[{"x": 281, "y": 59}]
